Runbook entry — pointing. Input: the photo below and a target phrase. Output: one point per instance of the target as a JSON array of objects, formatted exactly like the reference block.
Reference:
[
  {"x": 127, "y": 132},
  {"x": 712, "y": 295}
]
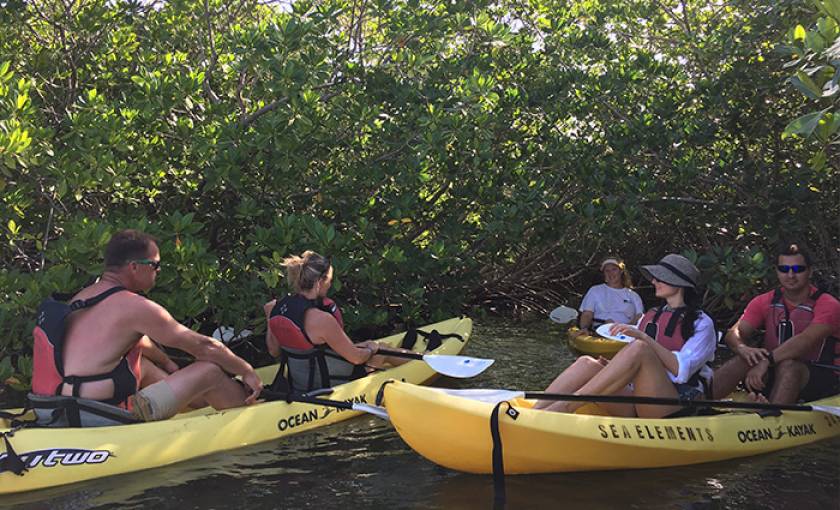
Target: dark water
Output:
[{"x": 364, "y": 464}]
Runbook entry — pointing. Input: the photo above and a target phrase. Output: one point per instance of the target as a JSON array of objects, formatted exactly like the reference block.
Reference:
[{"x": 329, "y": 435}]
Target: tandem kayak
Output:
[
  {"x": 57, "y": 456},
  {"x": 454, "y": 432},
  {"x": 593, "y": 345}
]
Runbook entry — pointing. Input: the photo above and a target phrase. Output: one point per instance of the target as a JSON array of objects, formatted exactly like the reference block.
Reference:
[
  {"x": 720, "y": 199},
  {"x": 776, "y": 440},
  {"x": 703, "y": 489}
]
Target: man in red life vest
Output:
[
  {"x": 800, "y": 323},
  {"x": 99, "y": 354}
]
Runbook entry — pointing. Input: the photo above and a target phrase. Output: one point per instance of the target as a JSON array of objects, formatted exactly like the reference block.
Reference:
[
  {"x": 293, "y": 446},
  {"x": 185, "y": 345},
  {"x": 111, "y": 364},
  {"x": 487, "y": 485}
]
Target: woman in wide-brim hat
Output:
[{"x": 668, "y": 358}]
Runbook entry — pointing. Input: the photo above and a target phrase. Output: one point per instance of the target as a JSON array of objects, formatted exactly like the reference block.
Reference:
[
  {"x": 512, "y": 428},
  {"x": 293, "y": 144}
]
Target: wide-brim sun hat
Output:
[{"x": 675, "y": 270}]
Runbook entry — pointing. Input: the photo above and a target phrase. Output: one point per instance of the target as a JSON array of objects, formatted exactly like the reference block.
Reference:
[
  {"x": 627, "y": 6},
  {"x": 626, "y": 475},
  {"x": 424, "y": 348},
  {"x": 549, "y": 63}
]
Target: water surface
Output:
[{"x": 363, "y": 463}]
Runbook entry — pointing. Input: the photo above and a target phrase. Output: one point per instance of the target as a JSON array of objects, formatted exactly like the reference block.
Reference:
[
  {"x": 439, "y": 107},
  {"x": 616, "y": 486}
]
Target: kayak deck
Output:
[
  {"x": 62, "y": 456},
  {"x": 454, "y": 432}
]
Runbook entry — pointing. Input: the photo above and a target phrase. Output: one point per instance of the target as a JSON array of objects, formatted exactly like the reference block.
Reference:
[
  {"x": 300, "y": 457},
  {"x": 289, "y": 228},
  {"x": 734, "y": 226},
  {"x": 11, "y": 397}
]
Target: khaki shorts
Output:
[{"x": 155, "y": 402}]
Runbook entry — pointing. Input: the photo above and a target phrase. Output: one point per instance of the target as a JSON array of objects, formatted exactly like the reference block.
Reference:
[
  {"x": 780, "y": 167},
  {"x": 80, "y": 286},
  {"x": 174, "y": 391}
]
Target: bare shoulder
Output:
[
  {"x": 269, "y": 306},
  {"x": 320, "y": 324},
  {"x": 140, "y": 307}
]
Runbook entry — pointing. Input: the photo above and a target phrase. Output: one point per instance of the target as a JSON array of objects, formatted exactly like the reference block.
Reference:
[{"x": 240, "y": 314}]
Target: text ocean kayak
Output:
[
  {"x": 454, "y": 432},
  {"x": 62, "y": 456}
]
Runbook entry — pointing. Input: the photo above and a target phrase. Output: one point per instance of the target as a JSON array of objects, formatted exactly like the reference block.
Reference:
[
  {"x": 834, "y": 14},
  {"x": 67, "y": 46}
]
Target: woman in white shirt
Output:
[
  {"x": 668, "y": 358},
  {"x": 612, "y": 301}
]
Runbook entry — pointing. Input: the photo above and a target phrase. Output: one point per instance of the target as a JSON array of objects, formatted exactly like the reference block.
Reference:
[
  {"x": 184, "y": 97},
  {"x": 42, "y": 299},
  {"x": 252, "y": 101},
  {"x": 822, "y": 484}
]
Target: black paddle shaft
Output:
[{"x": 620, "y": 399}]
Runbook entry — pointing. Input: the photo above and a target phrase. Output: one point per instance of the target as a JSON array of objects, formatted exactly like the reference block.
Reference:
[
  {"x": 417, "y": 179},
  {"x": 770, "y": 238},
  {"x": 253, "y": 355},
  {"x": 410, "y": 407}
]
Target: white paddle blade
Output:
[
  {"x": 377, "y": 411},
  {"x": 490, "y": 396},
  {"x": 563, "y": 315},
  {"x": 604, "y": 331},
  {"x": 827, "y": 409},
  {"x": 457, "y": 366}
]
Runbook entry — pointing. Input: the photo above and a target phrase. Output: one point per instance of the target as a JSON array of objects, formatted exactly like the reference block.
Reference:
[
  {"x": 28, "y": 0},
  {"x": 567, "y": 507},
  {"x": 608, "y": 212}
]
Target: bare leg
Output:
[
  {"x": 206, "y": 379},
  {"x": 639, "y": 364},
  {"x": 570, "y": 380},
  {"x": 790, "y": 377},
  {"x": 727, "y": 377},
  {"x": 153, "y": 373}
]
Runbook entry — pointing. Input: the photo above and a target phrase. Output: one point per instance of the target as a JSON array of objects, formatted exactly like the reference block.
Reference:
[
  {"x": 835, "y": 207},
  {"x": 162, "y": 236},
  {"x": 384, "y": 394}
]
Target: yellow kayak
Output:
[
  {"x": 454, "y": 432},
  {"x": 62, "y": 456},
  {"x": 593, "y": 345}
]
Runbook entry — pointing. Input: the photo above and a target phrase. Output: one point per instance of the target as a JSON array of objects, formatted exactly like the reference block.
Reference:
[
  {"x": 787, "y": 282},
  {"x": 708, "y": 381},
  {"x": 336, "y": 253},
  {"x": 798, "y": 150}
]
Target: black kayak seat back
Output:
[
  {"x": 74, "y": 412},
  {"x": 433, "y": 338}
]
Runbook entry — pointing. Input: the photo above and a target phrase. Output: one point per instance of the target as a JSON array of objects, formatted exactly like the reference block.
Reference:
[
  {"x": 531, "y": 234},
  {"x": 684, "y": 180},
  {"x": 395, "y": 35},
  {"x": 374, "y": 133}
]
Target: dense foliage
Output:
[{"x": 445, "y": 154}]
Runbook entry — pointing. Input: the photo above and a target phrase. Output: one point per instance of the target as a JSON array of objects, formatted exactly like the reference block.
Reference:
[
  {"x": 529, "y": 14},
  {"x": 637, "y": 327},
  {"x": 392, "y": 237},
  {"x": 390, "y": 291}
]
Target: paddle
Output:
[
  {"x": 563, "y": 314},
  {"x": 447, "y": 364},
  {"x": 311, "y": 398},
  {"x": 827, "y": 367},
  {"x": 501, "y": 395}
]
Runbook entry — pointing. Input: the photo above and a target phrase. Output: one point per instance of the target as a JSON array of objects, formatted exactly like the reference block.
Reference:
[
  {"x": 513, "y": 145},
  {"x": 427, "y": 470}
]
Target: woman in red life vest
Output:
[
  {"x": 306, "y": 330},
  {"x": 668, "y": 358}
]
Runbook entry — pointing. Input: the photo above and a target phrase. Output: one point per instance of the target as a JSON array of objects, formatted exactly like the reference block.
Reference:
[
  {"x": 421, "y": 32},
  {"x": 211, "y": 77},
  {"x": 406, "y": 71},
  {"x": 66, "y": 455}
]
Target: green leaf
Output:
[
  {"x": 804, "y": 125},
  {"x": 806, "y": 85},
  {"x": 799, "y": 33}
]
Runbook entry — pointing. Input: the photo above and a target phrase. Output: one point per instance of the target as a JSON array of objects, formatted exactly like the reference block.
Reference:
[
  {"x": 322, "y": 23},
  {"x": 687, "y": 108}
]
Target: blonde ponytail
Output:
[{"x": 304, "y": 272}]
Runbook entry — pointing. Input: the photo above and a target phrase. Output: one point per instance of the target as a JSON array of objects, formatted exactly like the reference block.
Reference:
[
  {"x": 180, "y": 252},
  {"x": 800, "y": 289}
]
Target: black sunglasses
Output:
[
  {"x": 796, "y": 268},
  {"x": 148, "y": 262}
]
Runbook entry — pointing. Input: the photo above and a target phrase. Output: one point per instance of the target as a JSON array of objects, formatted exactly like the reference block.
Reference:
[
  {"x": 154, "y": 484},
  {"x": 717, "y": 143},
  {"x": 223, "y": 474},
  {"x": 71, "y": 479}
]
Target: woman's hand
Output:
[{"x": 629, "y": 330}]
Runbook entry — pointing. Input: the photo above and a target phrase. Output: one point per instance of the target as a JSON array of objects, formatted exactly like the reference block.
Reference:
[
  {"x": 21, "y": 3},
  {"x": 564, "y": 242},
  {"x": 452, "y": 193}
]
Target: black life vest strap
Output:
[
  {"x": 87, "y": 303},
  {"x": 676, "y": 317}
]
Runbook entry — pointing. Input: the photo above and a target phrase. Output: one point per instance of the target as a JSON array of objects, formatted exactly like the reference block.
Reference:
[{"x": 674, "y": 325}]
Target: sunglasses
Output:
[
  {"x": 148, "y": 262},
  {"x": 795, "y": 268}
]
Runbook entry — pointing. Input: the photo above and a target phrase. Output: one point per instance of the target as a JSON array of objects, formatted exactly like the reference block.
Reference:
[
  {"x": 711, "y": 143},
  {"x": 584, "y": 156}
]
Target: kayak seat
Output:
[
  {"x": 63, "y": 411},
  {"x": 433, "y": 338}
]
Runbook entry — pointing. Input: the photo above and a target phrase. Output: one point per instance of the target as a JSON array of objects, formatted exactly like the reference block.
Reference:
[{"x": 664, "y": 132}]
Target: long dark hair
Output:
[{"x": 693, "y": 301}]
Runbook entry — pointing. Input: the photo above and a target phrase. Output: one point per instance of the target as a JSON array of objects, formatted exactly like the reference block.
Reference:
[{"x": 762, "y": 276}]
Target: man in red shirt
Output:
[{"x": 799, "y": 324}]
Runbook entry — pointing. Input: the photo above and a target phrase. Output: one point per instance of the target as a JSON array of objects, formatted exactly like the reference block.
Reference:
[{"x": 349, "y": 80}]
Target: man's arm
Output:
[
  {"x": 154, "y": 354},
  {"x": 153, "y": 320},
  {"x": 271, "y": 343},
  {"x": 736, "y": 338},
  {"x": 799, "y": 345}
]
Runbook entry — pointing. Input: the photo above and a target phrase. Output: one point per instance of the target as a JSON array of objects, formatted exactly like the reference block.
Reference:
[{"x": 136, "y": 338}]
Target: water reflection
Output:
[{"x": 364, "y": 464}]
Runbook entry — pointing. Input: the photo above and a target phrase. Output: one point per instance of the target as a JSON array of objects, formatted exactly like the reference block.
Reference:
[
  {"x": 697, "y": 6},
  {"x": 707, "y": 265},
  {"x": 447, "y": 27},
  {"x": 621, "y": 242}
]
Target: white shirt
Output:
[
  {"x": 696, "y": 352},
  {"x": 609, "y": 304}
]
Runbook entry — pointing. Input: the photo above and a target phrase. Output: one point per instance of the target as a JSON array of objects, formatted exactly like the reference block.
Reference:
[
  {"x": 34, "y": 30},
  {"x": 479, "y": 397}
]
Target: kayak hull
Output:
[
  {"x": 454, "y": 432},
  {"x": 63, "y": 456},
  {"x": 593, "y": 345}
]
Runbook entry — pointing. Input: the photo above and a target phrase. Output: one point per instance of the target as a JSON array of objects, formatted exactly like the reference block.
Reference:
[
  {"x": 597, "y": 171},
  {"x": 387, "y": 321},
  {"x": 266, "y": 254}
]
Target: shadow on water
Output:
[{"x": 364, "y": 464}]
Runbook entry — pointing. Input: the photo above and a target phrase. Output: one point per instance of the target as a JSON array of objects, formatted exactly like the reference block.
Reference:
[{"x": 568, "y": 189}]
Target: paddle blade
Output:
[
  {"x": 457, "y": 366},
  {"x": 377, "y": 411},
  {"x": 489, "y": 396},
  {"x": 827, "y": 409},
  {"x": 563, "y": 315}
]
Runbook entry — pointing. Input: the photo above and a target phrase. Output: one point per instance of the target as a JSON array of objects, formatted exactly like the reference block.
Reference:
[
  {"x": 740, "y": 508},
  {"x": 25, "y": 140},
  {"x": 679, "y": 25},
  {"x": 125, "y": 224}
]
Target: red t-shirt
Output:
[{"x": 826, "y": 311}]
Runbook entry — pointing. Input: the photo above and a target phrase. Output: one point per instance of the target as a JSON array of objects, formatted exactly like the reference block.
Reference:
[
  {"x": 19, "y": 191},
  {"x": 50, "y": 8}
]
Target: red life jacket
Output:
[
  {"x": 309, "y": 366},
  {"x": 781, "y": 324},
  {"x": 287, "y": 317},
  {"x": 670, "y": 336},
  {"x": 48, "y": 377}
]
